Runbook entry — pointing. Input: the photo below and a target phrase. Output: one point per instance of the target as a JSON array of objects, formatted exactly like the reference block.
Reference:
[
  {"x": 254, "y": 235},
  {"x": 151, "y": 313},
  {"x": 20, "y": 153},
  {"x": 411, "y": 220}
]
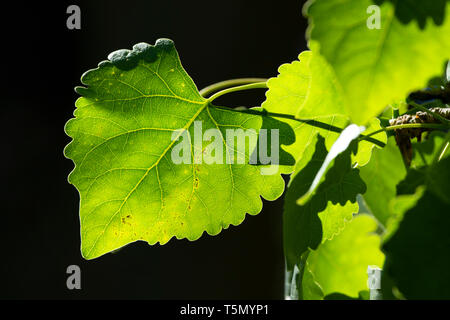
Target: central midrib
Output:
[{"x": 188, "y": 124}]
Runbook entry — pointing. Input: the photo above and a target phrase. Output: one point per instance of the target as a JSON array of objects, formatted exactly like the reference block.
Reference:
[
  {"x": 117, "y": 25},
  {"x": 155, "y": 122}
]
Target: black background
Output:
[{"x": 42, "y": 62}]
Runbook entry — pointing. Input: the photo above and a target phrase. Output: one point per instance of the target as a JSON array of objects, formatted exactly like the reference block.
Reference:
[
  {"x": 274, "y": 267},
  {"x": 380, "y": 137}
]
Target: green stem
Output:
[
  {"x": 434, "y": 114},
  {"x": 229, "y": 83},
  {"x": 314, "y": 123},
  {"x": 256, "y": 85},
  {"x": 310, "y": 122},
  {"x": 409, "y": 126},
  {"x": 329, "y": 127}
]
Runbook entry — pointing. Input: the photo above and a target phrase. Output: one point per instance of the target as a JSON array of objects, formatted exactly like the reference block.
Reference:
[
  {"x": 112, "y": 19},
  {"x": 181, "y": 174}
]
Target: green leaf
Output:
[
  {"x": 417, "y": 254},
  {"x": 374, "y": 142},
  {"x": 341, "y": 144},
  {"x": 377, "y": 67},
  {"x": 311, "y": 289},
  {"x": 308, "y": 90},
  {"x": 289, "y": 93},
  {"x": 286, "y": 138},
  {"x": 125, "y": 129},
  {"x": 397, "y": 207},
  {"x": 304, "y": 85},
  {"x": 340, "y": 265},
  {"x": 382, "y": 174},
  {"x": 325, "y": 214},
  {"x": 417, "y": 241}
]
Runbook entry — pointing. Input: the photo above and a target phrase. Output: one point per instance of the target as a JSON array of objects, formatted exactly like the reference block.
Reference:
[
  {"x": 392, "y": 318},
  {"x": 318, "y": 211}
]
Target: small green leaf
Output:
[
  {"x": 325, "y": 214},
  {"x": 125, "y": 129},
  {"x": 341, "y": 144},
  {"x": 365, "y": 147},
  {"x": 311, "y": 289},
  {"x": 382, "y": 174},
  {"x": 340, "y": 265},
  {"x": 377, "y": 67}
]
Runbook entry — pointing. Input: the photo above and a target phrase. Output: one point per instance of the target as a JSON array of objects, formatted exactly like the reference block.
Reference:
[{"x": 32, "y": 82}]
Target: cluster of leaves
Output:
[
  {"x": 345, "y": 208},
  {"x": 355, "y": 72}
]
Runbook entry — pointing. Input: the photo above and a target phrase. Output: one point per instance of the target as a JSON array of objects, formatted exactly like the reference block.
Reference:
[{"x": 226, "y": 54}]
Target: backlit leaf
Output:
[
  {"x": 340, "y": 265},
  {"x": 326, "y": 212},
  {"x": 377, "y": 67},
  {"x": 308, "y": 90},
  {"x": 125, "y": 129}
]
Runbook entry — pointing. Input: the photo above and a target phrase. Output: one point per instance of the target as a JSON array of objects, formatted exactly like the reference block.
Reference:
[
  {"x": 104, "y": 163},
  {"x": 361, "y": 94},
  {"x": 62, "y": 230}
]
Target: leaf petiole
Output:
[
  {"x": 256, "y": 85},
  {"x": 408, "y": 126},
  {"x": 228, "y": 84}
]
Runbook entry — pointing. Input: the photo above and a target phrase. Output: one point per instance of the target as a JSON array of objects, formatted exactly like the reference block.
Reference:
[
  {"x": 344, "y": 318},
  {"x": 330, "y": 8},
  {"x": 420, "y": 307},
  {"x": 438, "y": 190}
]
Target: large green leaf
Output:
[
  {"x": 377, "y": 67},
  {"x": 340, "y": 265},
  {"x": 130, "y": 188},
  {"x": 324, "y": 215}
]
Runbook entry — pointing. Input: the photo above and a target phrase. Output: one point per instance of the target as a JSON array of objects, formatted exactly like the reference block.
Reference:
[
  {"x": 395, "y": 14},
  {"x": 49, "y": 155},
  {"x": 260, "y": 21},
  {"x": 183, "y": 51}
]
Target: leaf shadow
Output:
[
  {"x": 286, "y": 137},
  {"x": 418, "y": 10}
]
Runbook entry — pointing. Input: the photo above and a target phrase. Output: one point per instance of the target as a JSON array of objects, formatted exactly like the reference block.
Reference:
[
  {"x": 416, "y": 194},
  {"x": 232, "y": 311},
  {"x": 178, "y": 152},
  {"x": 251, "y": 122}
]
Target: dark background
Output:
[{"x": 42, "y": 62}]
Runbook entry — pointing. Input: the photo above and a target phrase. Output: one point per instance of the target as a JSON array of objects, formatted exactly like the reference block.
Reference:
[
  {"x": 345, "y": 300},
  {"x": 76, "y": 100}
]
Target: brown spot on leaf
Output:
[{"x": 196, "y": 183}]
